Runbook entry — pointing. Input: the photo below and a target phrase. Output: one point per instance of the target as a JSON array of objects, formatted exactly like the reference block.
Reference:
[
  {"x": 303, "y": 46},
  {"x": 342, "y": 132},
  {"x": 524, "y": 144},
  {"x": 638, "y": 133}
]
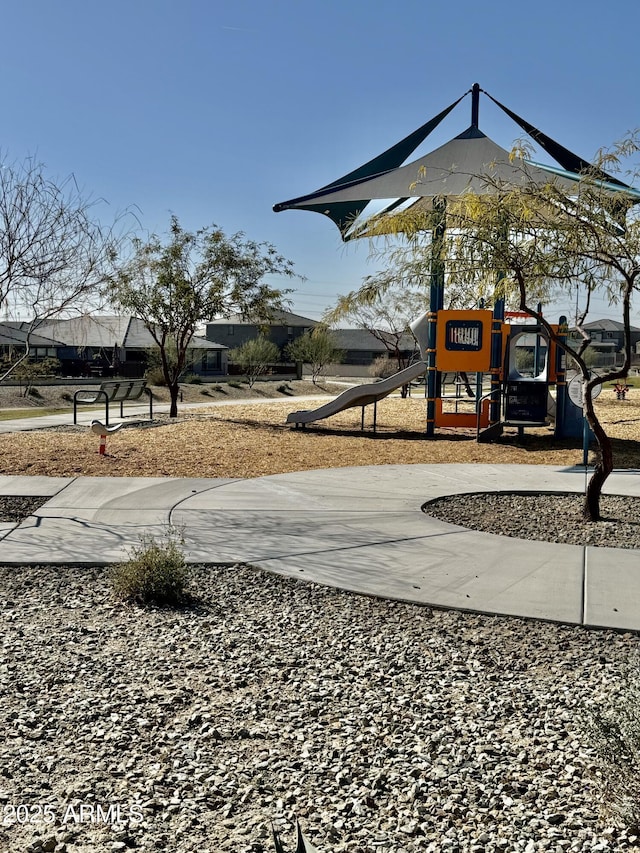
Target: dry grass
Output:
[{"x": 252, "y": 440}]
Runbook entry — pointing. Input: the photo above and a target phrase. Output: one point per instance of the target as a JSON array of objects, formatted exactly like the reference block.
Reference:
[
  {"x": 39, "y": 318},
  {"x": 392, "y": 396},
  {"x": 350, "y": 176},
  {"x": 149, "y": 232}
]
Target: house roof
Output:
[
  {"x": 139, "y": 337},
  {"x": 96, "y": 331},
  {"x": 15, "y": 334},
  {"x": 606, "y": 325},
  {"x": 278, "y": 318},
  {"x": 362, "y": 339},
  {"x": 89, "y": 330}
]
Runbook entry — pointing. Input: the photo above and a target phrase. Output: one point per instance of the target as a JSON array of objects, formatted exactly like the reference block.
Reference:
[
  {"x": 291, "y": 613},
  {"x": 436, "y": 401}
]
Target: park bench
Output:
[{"x": 112, "y": 391}]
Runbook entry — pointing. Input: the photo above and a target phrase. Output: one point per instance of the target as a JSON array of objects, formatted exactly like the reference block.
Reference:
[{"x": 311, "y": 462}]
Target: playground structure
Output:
[
  {"x": 479, "y": 342},
  {"x": 517, "y": 361},
  {"x": 360, "y": 395}
]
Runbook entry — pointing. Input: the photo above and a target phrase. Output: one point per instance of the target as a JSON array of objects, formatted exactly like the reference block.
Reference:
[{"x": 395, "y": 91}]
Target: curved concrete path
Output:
[{"x": 360, "y": 529}]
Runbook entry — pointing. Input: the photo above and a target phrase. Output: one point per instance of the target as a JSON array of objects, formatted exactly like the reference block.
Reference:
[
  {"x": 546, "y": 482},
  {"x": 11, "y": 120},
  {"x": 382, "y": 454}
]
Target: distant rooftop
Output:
[{"x": 277, "y": 318}]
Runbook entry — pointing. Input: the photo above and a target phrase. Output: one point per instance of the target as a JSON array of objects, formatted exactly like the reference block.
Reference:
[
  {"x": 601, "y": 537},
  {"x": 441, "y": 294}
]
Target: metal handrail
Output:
[{"x": 479, "y": 402}]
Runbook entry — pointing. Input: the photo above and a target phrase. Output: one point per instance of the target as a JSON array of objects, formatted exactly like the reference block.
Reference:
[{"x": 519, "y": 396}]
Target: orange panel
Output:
[
  {"x": 463, "y": 341},
  {"x": 462, "y": 420}
]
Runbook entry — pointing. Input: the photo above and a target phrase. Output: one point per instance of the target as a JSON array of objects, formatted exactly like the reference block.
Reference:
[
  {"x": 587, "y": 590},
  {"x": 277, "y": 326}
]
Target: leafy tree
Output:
[
  {"x": 407, "y": 265},
  {"x": 54, "y": 255},
  {"x": 317, "y": 348},
  {"x": 255, "y": 356},
  {"x": 545, "y": 238},
  {"x": 176, "y": 284}
]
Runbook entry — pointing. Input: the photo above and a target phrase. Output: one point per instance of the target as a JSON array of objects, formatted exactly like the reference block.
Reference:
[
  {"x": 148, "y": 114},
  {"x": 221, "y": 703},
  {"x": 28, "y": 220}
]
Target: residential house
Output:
[
  {"x": 359, "y": 346},
  {"x": 95, "y": 345},
  {"x": 282, "y": 328},
  {"x": 607, "y": 340},
  {"x": 361, "y": 349},
  {"x": 13, "y": 342}
]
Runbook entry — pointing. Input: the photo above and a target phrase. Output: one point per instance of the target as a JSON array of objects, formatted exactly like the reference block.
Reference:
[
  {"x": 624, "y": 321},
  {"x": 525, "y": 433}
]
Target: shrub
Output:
[
  {"x": 155, "y": 376},
  {"x": 382, "y": 367},
  {"x": 192, "y": 379},
  {"x": 220, "y": 389},
  {"x": 614, "y": 734},
  {"x": 235, "y": 384},
  {"x": 155, "y": 573},
  {"x": 285, "y": 388},
  {"x": 317, "y": 348},
  {"x": 254, "y": 357},
  {"x": 27, "y": 372}
]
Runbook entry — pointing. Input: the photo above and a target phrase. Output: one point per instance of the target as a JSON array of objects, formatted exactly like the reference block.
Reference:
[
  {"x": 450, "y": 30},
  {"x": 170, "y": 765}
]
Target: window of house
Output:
[{"x": 211, "y": 360}]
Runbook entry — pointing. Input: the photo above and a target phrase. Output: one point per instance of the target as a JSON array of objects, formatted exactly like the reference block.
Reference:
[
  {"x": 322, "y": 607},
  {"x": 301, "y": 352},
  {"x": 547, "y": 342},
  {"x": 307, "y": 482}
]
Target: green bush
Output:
[
  {"x": 234, "y": 384},
  {"x": 192, "y": 379},
  {"x": 155, "y": 573},
  {"x": 317, "y": 348},
  {"x": 220, "y": 389},
  {"x": 255, "y": 357},
  {"x": 614, "y": 734}
]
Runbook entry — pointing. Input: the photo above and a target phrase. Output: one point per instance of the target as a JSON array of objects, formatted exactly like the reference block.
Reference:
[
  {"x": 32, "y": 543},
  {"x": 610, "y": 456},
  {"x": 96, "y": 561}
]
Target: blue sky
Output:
[{"x": 217, "y": 110}]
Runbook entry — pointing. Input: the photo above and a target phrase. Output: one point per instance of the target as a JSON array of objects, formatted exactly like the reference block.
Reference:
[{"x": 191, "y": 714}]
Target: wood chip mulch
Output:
[{"x": 250, "y": 440}]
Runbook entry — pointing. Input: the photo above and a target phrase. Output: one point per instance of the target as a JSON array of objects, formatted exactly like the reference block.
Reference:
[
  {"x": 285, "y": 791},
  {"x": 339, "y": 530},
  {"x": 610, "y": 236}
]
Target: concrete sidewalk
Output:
[{"x": 360, "y": 529}]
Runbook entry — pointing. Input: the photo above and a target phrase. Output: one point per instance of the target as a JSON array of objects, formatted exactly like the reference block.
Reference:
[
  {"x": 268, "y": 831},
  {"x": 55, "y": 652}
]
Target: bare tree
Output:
[
  {"x": 55, "y": 256},
  {"x": 384, "y": 310}
]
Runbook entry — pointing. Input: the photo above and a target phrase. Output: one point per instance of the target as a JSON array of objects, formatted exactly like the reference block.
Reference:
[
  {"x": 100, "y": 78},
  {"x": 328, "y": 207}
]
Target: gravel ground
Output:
[
  {"x": 545, "y": 517},
  {"x": 16, "y": 508},
  {"x": 382, "y": 726}
]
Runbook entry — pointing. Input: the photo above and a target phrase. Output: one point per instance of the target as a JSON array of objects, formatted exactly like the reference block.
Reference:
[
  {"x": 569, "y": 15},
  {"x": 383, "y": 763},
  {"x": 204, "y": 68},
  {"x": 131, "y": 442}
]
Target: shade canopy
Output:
[{"x": 469, "y": 163}]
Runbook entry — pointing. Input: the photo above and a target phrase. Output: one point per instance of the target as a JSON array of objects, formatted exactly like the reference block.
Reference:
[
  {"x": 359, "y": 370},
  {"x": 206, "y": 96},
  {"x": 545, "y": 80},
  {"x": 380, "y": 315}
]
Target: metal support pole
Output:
[
  {"x": 496, "y": 341},
  {"x": 496, "y": 360},
  {"x": 436, "y": 302},
  {"x": 475, "y": 104},
  {"x": 536, "y": 351},
  {"x": 561, "y": 380}
]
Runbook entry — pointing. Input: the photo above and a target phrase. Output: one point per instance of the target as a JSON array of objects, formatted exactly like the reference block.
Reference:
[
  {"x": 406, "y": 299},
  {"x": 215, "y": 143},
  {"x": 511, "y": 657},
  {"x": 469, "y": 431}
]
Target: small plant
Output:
[
  {"x": 205, "y": 392},
  {"x": 155, "y": 376},
  {"x": 255, "y": 357},
  {"x": 220, "y": 389},
  {"x": 155, "y": 573},
  {"x": 614, "y": 734},
  {"x": 285, "y": 388},
  {"x": 33, "y": 392},
  {"x": 235, "y": 384},
  {"x": 67, "y": 397},
  {"x": 192, "y": 379}
]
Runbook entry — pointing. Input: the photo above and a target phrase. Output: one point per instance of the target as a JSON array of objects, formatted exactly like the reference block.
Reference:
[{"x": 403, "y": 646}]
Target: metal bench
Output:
[{"x": 113, "y": 391}]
